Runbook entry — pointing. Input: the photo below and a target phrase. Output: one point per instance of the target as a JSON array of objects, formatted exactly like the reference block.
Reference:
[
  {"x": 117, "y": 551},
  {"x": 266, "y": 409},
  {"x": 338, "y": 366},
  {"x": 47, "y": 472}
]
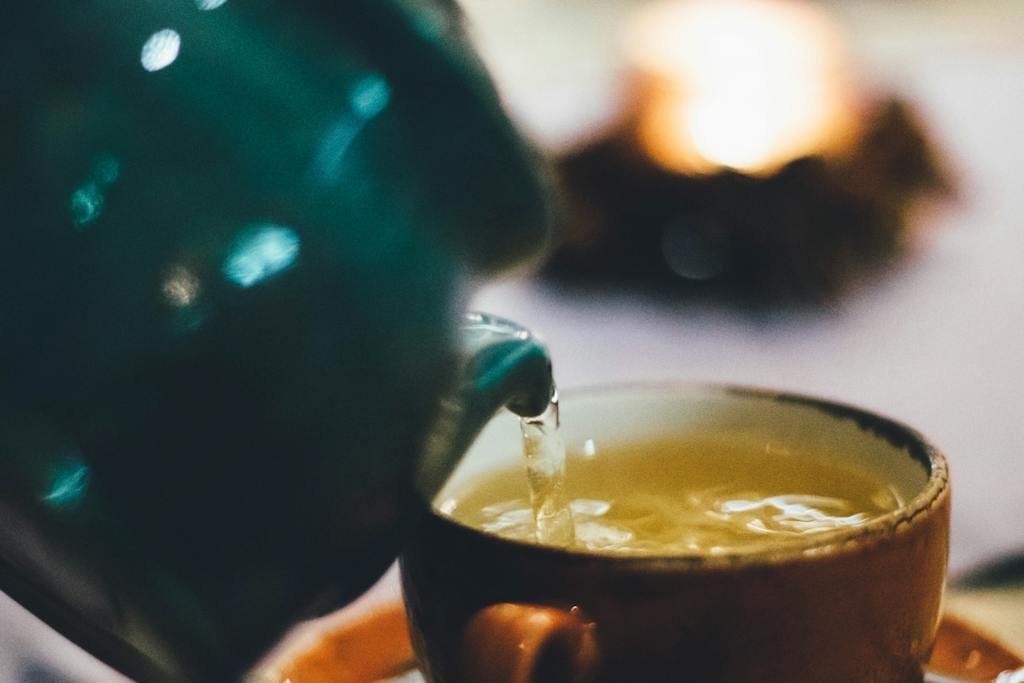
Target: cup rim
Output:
[{"x": 824, "y": 544}]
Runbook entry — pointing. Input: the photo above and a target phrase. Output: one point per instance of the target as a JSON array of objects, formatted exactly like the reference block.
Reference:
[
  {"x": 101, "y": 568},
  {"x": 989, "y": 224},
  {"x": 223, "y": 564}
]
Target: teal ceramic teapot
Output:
[{"x": 237, "y": 241}]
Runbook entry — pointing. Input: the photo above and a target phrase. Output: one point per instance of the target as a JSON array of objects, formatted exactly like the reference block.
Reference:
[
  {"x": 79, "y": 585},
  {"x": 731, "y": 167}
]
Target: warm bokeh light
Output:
[{"x": 743, "y": 84}]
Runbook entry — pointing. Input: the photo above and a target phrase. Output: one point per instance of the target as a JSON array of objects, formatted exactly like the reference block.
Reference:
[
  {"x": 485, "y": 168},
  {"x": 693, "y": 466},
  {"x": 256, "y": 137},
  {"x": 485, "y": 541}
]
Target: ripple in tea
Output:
[{"x": 700, "y": 496}]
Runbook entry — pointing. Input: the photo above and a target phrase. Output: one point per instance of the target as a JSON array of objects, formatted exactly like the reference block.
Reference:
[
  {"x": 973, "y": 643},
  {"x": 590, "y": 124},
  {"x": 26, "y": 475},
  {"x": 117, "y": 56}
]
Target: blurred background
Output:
[
  {"x": 926, "y": 326},
  {"x": 822, "y": 197}
]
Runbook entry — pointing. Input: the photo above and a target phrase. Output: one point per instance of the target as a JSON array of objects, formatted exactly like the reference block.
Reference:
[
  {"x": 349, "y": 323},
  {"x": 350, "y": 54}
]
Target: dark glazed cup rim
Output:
[{"x": 820, "y": 545}]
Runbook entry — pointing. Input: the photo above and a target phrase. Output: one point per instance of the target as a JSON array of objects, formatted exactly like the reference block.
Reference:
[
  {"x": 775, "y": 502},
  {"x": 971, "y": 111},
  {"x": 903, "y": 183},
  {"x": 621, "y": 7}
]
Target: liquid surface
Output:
[{"x": 712, "y": 496}]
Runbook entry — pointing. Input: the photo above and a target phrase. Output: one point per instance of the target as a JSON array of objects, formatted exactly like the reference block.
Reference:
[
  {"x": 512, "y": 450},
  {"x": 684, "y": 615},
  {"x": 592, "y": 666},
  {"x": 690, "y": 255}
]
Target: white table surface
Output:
[{"x": 939, "y": 344}]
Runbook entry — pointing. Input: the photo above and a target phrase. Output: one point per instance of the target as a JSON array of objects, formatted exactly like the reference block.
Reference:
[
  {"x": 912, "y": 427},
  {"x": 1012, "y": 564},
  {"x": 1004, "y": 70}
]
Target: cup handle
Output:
[{"x": 517, "y": 643}]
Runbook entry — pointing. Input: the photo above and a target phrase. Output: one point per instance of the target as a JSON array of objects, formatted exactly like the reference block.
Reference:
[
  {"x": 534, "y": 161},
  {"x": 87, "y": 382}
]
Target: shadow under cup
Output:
[{"x": 854, "y": 604}]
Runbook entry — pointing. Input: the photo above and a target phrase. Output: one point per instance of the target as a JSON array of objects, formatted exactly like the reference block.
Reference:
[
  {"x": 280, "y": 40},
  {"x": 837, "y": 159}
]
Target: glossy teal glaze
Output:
[{"x": 235, "y": 239}]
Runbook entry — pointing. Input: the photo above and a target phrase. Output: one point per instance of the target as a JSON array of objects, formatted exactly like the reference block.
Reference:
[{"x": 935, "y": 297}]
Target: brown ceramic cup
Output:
[{"x": 854, "y": 604}]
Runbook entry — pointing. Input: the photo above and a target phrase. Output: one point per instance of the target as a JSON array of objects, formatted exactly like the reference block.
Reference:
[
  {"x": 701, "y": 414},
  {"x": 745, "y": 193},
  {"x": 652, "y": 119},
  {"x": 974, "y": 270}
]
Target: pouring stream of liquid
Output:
[{"x": 544, "y": 451}]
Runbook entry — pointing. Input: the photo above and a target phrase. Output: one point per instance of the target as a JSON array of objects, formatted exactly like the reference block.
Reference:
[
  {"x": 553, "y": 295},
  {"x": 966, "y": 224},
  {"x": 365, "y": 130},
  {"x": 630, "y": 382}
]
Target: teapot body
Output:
[{"x": 237, "y": 240}]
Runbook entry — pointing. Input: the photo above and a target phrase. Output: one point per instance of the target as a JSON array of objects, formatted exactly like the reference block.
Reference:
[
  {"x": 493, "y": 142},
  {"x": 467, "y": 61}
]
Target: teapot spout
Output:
[{"x": 504, "y": 366}]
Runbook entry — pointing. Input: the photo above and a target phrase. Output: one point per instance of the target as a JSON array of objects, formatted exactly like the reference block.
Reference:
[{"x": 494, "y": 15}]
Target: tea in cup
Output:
[{"x": 721, "y": 534}]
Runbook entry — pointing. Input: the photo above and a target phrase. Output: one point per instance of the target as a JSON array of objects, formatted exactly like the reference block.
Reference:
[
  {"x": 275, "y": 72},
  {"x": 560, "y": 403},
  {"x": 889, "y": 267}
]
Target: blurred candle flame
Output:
[{"x": 741, "y": 84}]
